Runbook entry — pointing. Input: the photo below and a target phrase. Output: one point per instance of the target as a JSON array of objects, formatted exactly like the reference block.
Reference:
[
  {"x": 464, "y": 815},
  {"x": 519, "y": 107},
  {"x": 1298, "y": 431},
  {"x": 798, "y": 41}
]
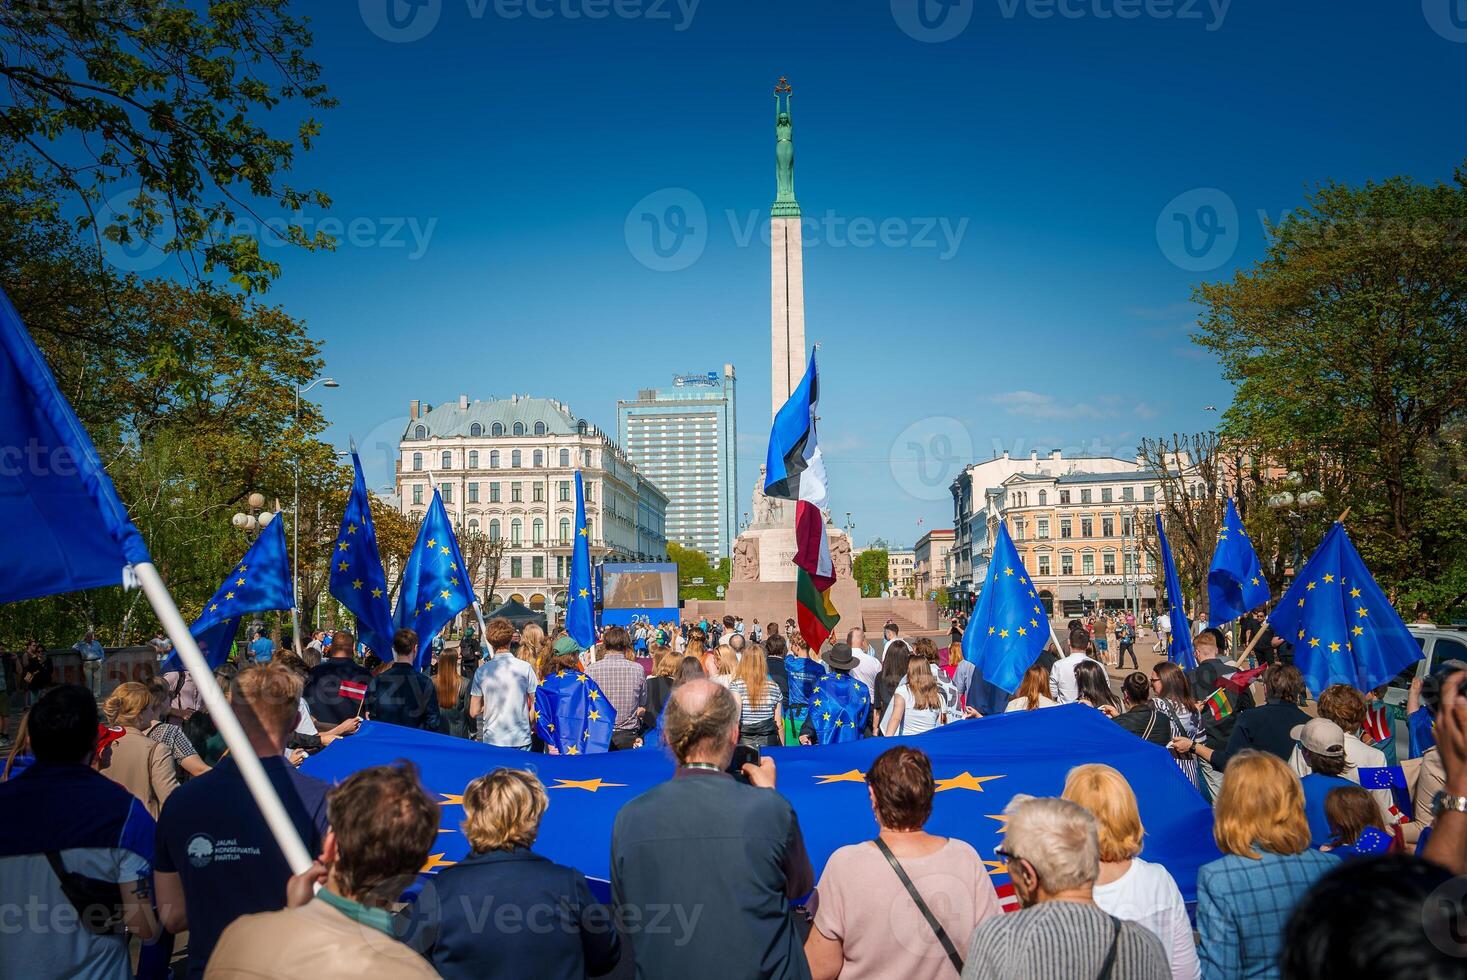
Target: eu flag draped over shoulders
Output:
[
  {"x": 840, "y": 708},
  {"x": 1235, "y": 582},
  {"x": 1179, "y": 640},
  {"x": 580, "y": 612},
  {"x": 572, "y": 714},
  {"x": 65, "y": 528},
  {"x": 1008, "y": 628},
  {"x": 259, "y": 583},
  {"x": 357, "y": 579},
  {"x": 1343, "y": 628},
  {"x": 435, "y": 587}
]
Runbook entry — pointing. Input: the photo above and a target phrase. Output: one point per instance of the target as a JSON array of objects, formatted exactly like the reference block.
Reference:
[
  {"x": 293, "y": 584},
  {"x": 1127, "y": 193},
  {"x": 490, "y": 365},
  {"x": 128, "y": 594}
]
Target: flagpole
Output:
[{"x": 224, "y": 719}]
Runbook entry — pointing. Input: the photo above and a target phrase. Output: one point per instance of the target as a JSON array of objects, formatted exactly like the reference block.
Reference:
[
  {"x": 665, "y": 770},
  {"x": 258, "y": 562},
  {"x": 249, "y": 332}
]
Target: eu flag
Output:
[
  {"x": 1009, "y": 627},
  {"x": 572, "y": 714},
  {"x": 435, "y": 587},
  {"x": 259, "y": 583},
  {"x": 580, "y": 614},
  {"x": 1343, "y": 629},
  {"x": 1235, "y": 582},
  {"x": 357, "y": 580},
  {"x": 65, "y": 528},
  {"x": 840, "y": 708},
  {"x": 1179, "y": 643}
]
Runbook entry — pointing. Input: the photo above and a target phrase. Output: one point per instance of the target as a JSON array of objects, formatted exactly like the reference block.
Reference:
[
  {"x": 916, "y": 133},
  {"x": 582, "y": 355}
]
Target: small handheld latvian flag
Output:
[
  {"x": 259, "y": 583},
  {"x": 795, "y": 470}
]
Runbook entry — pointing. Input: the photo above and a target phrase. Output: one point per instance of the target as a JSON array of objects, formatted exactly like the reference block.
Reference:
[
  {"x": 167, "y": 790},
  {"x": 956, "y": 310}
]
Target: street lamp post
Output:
[
  {"x": 295, "y": 512},
  {"x": 1290, "y": 506}
]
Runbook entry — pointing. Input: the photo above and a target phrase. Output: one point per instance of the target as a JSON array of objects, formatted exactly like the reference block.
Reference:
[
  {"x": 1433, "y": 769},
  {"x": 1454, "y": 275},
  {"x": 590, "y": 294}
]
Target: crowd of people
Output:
[{"x": 136, "y": 827}]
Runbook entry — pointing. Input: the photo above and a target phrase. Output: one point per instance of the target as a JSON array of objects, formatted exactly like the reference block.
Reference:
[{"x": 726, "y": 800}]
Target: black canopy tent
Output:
[{"x": 518, "y": 614}]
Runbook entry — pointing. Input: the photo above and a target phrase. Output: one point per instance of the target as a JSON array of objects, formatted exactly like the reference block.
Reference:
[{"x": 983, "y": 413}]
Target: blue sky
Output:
[{"x": 1000, "y": 260}]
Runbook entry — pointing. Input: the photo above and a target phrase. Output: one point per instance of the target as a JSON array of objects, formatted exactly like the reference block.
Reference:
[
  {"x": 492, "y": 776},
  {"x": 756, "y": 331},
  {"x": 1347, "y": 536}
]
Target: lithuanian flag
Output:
[{"x": 794, "y": 470}]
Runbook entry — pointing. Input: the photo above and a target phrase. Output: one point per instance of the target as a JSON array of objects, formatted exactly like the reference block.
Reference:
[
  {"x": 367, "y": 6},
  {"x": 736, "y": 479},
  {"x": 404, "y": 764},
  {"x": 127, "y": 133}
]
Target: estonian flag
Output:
[{"x": 795, "y": 471}]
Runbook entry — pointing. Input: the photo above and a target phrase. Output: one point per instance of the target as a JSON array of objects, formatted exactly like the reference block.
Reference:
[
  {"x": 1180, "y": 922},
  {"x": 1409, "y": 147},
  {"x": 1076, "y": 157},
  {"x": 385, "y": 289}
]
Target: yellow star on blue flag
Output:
[
  {"x": 259, "y": 583},
  {"x": 580, "y": 613},
  {"x": 1235, "y": 582},
  {"x": 1008, "y": 629},
  {"x": 357, "y": 579},
  {"x": 433, "y": 591}
]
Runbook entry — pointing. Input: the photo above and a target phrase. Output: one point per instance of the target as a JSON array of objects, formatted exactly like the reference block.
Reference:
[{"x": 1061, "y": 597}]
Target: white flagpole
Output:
[{"x": 223, "y": 717}]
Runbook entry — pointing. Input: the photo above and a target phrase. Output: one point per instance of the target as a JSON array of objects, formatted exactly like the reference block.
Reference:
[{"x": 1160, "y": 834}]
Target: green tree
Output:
[
  {"x": 1345, "y": 343},
  {"x": 869, "y": 570},
  {"x": 165, "y": 122},
  {"x": 694, "y": 564}
]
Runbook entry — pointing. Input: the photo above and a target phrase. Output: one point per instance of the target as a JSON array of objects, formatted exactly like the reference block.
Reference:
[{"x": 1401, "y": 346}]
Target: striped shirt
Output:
[
  {"x": 756, "y": 714},
  {"x": 1062, "y": 939}
]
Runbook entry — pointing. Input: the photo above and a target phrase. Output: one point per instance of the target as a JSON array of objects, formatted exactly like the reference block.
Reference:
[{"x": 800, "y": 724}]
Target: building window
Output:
[
  {"x": 539, "y": 457},
  {"x": 476, "y": 429},
  {"x": 447, "y": 460},
  {"x": 1043, "y": 525},
  {"x": 539, "y": 428},
  {"x": 516, "y": 531},
  {"x": 417, "y": 493},
  {"x": 564, "y": 491},
  {"x": 1130, "y": 563},
  {"x": 494, "y": 529},
  {"x": 473, "y": 493},
  {"x": 417, "y": 461},
  {"x": 474, "y": 525},
  {"x": 537, "y": 563},
  {"x": 537, "y": 531},
  {"x": 421, "y": 432},
  {"x": 589, "y": 492},
  {"x": 537, "y": 493},
  {"x": 1105, "y": 495},
  {"x": 516, "y": 459},
  {"x": 519, "y": 428},
  {"x": 585, "y": 456},
  {"x": 560, "y": 568},
  {"x": 1128, "y": 493},
  {"x": 1084, "y": 496},
  {"x": 1043, "y": 497},
  {"x": 1064, "y": 496},
  {"x": 565, "y": 458},
  {"x": 1107, "y": 526},
  {"x": 1064, "y": 527},
  {"x": 1044, "y": 565},
  {"x": 497, "y": 429},
  {"x": 1087, "y": 564},
  {"x": 1087, "y": 527},
  {"x": 516, "y": 568},
  {"x": 1148, "y": 494},
  {"x": 1067, "y": 563},
  {"x": 565, "y": 530},
  {"x": 494, "y": 459},
  {"x": 1108, "y": 563},
  {"x": 494, "y": 493},
  {"x": 1018, "y": 530},
  {"x": 582, "y": 427},
  {"x": 515, "y": 493},
  {"x": 473, "y": 459},
  {"x": 446, "y": 489}
]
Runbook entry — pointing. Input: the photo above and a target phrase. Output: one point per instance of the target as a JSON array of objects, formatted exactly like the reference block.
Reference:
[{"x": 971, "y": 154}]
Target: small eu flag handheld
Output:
[
  {"x": 357, "y": 580},
  {"x": 435, "y": 587},
  {"x": 1009, "y": 627},
  {"x": 1235, "y": 582},
  {"x": 259, "y": 583},
  {"x": 1343, "y": 628},
  {"x": 580, "y": 612},
  {"x": 1179, "y": 641},
  {"x": 572, "y": 714}
]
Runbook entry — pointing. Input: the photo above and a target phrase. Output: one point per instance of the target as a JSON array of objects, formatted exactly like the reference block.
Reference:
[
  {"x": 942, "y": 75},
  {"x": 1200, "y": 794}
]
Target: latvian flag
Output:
[
  {"x": 355, "y": 690},
  {"x": 795, "y": 471}
]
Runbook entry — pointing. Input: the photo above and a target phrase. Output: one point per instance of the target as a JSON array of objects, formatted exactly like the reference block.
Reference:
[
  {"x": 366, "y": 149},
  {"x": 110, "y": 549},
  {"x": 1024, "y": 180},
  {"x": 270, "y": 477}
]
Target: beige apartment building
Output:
[{"x": 930, "y": 569}]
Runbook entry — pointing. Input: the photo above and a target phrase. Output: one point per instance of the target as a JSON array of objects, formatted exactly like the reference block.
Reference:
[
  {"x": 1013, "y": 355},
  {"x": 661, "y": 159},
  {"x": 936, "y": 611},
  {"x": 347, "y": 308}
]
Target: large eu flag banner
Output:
[
  {"x": 259, "y": 583},
  {"x": 1343, "y": 628},
  {"x": 357, "y": 579},
  {"x": 1009, "y": 627},
  {"x": 434, "y": 587},
  {"x": 979, "y": 766},
  {"x": 1235, "y": 582}
]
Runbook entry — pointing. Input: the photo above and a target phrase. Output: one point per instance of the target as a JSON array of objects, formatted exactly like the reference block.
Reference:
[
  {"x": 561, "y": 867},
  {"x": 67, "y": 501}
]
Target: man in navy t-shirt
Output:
[{"x": 216, "y": 859}]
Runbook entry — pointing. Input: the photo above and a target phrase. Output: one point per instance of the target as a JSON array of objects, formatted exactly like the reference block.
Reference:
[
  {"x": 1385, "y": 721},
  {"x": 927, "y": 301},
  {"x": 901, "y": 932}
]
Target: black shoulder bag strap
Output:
[
  {"x": 942, "y": 937},
  {"x": 1109, "y": 965}
]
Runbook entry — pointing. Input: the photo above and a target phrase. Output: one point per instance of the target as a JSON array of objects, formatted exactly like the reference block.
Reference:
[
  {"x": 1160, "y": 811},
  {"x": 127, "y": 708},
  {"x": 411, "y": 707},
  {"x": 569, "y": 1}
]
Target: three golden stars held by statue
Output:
[{"x": 782, "y": 86}]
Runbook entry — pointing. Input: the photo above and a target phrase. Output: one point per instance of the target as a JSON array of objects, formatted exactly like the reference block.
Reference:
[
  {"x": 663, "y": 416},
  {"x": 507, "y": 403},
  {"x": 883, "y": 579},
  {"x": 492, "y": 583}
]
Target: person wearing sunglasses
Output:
[{"x": 1051, "y": 849}]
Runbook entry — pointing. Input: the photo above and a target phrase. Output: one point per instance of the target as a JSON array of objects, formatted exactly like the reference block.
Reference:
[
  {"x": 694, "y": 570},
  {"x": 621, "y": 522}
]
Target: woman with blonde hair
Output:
[
  {"x": 659, "y": 685},
  {"x": 1128, "y": 887},
  {"x": 185, "y": 755},
  {"x": 574, "y": 937},
  {"x": 726, "y": 664},
  {"x": 138, "y": 764},
  {"x": 534, "y": 648},
  {"x": 1033, "y": 691},
  {"x": 916, "y": 705},
  {"x": 761, "y": 702},
  {"x": 1244, "y": 897}
]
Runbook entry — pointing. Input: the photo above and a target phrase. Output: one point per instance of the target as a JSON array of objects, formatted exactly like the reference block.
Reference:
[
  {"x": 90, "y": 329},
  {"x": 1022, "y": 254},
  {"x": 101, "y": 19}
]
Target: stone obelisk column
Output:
[{"x": 786, "y": 265}]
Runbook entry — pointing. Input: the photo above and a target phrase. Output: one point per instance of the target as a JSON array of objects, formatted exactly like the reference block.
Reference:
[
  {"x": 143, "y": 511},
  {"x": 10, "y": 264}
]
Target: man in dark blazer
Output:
[{"x": 714, "y": 860}]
